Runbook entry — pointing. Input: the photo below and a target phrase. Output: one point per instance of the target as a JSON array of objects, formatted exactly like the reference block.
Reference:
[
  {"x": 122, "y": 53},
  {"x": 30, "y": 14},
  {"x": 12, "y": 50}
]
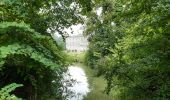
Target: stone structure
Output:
[{"x": 76, "y": 43}]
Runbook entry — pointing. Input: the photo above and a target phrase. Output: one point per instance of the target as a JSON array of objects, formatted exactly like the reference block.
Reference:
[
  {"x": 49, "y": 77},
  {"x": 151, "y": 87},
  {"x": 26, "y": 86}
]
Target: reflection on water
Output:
[{"x": 80, "y": 87}]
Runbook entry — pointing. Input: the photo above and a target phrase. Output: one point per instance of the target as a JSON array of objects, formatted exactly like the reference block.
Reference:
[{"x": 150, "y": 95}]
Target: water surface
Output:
[{"x": 80, "y": 87}]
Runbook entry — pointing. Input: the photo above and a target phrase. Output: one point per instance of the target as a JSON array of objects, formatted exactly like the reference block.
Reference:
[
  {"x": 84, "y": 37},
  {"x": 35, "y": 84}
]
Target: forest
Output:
[{"x": 129, "y": 46}]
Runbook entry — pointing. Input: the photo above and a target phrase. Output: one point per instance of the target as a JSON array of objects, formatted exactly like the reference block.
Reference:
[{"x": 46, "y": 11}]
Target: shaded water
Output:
[{"x": 80, "y": 86}]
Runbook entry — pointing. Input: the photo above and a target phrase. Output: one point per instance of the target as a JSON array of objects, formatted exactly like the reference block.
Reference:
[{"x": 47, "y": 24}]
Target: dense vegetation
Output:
[
  {"x": 130, "y": 46},
  {"x": 28, "y": 54}
]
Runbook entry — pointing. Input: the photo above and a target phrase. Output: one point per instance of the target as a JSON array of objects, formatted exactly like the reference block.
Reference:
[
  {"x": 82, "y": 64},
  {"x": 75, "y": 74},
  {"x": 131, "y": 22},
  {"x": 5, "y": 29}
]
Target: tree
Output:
[
  {"x": 137, "y": 63},
  {"x": 28, "y": 53}
]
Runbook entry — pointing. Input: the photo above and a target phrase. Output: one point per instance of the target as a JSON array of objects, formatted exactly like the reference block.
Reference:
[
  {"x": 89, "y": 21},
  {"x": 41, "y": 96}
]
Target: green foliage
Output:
[
  {"x": 28, "y": 53},
  {"x": 4, "y": 92},
  {"x": 75, "y": 57},
  {"x": 21, "y": 49},
  {"x": 20, "y": 44},
  {"x": 54, "y": 15},
  {"x": 133, "y": 54}
]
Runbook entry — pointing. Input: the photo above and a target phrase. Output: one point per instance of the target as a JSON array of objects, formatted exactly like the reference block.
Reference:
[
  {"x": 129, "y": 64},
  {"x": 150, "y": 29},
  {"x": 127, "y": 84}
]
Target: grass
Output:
[
  {"x": 97, "y": 86},
  {"x": 75, "y": 57}
]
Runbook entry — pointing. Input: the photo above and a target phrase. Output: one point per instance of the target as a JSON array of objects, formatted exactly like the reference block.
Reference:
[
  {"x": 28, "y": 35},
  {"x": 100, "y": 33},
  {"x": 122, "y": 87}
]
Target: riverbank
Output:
[{"x": 97, "y": 85}]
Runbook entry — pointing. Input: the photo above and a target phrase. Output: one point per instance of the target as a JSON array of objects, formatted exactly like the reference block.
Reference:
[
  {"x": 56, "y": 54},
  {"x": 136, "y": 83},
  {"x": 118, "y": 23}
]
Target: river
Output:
[{"x": 79, "y": 87}]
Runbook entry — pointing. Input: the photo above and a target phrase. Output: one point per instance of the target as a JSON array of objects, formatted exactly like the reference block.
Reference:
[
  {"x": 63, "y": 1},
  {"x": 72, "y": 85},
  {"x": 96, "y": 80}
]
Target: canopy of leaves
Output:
[
  {"x": 4, "y": 92},
  {"x": 28, "y": 53},
  {"x": 130, "y": 46}
]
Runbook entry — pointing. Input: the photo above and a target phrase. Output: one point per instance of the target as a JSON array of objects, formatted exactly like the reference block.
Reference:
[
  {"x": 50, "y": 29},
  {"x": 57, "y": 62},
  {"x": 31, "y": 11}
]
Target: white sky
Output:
[
  {"x": 99, "y": 11},
  {"x": 73, "y": 30},
  {"x": 79, "y": 28}
]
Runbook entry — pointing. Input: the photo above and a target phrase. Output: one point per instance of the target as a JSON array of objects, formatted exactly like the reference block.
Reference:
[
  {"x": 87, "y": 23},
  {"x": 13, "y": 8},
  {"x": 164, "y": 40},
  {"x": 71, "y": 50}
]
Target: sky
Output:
[
  {"x": 73, "y": 30},
  {"x": 78, "y": 29}
]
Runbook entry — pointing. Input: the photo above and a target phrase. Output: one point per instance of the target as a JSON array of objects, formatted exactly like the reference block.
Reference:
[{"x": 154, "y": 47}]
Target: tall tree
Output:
[{"x": 137, "y": 64}]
